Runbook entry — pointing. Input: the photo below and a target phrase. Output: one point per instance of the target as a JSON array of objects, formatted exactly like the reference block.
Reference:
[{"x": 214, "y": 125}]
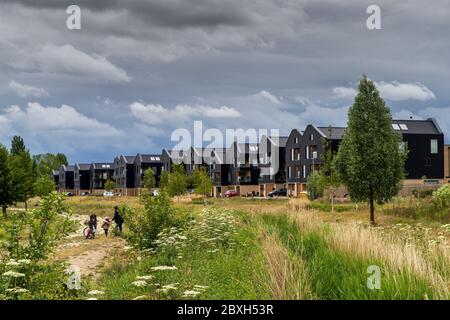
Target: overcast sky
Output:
[{"x": 139, "y": 69}]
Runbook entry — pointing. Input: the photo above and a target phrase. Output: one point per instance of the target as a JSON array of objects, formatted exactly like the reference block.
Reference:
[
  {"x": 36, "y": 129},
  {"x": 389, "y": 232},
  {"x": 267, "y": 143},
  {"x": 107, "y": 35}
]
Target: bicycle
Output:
[{"x": 89, "y": 232}]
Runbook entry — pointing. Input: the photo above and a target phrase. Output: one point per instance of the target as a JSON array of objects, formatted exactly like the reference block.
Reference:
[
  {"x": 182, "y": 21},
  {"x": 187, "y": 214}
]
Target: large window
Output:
[{"x": 434, "y": 146}]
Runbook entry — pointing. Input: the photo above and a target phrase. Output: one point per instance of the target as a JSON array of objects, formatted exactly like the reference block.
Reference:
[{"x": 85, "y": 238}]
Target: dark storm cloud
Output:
[
  {"x": 167, "y": 13},
  {"x": 271, "y": 63}
]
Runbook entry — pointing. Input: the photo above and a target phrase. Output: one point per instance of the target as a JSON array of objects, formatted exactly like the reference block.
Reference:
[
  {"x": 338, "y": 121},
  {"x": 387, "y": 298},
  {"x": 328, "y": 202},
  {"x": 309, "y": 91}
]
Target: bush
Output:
[
  {"x": 442, "y": 196},
  {"x": 144, "y": 226},
  {"x": 316, "y": 185}
]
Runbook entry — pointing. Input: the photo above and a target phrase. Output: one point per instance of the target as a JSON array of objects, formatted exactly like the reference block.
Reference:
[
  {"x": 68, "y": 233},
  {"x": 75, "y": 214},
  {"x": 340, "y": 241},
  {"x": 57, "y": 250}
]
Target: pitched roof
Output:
[
  {"x": 336, "y": 132},
  {"x": 150, "y": 158},
  {"x": 428, "y": 126},
  {"x": 102, "y": 165},
  {"x": 67, "y": 168},
  {"x": 129, "y": 159},
  {"x": 83, "y": 166}
]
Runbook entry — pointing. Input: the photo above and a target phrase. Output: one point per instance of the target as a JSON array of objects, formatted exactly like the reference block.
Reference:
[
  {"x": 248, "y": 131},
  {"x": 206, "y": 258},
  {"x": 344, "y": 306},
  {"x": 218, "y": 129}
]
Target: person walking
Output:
[
  {"x": 106, "y": 224},
  {"x": 118, "y": 219}
]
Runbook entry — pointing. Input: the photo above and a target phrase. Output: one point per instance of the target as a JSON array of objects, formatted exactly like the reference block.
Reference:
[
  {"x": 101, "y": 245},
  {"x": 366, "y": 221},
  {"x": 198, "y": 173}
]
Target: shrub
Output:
[
  {"x": 316, "y": 185},
  {"x": 144, "y": 226},
  {"x": 442, "y": 196}
]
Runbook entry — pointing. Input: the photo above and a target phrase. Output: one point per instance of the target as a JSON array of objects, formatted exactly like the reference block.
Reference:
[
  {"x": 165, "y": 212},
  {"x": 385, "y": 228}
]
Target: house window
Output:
[
  {"x": 311, "y": 137},
  {"x": 434, "y": 146},
  {"x": 307, "y": 152},
  {"x": 296, "y": 139},
  {"x": 292, "y": 154},
  {"x": 290, "y": 172},
  {"x": 304, "y": 171}
]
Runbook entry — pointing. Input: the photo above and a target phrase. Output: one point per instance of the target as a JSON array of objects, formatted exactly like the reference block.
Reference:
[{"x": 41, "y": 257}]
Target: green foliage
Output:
[
  {"x": 22, "y": 171},
  {"x": 370, "y": 160},
  {"x": 17, "y": 146},
  {"x": 442, "y": 196},
  {"x": 177, "y": 183},
  {"x": 149, "y": 179},
  {"x": 6, "y": 195},
  {"x": 316, "y": 185},
  {"x": 216, "y": 256},
  {"x": 164, "y": 179},
  {"x": 44, "y": 185},
  {"x": 144, "y": 226},
  {"x": 202, "y": 181},
  {"x": 43, "y": 227},
  {"x": 109, "y": 185},
  {"x": 47, "y": 162}
]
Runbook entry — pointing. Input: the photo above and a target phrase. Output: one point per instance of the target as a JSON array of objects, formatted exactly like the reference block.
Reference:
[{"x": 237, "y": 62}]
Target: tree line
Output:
[{"x": 23, "y": 176}]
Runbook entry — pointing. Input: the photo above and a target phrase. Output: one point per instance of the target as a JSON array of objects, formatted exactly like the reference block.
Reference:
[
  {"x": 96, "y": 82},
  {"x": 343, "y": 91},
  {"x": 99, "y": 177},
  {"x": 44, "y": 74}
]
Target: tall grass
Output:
[{"x": 336, "y": 259}]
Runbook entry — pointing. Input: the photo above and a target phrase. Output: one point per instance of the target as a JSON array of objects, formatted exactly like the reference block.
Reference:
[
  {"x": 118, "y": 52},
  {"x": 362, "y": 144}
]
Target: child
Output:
[{"x": 106, "y": 224}]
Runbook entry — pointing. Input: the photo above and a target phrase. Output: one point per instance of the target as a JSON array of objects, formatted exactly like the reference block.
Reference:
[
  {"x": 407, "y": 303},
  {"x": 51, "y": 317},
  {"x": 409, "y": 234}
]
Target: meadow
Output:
[{"x": 264, "y": 249}]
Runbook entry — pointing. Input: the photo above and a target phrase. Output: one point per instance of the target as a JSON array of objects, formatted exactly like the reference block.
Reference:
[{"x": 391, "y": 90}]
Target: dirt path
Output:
[{"x": 89, "y": 255}]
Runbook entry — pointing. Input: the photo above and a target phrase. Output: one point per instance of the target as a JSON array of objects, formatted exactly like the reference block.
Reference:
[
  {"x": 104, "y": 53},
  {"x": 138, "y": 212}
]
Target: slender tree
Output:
[
  {"x": 17, "y": 146},
  {"x": 177, "y": 184},
  {"x": 23, "y": 175},
  {"x": 202, "y": 182},
  {"x": 6, "y": 198},
  {"x": 370, "y": 160},
  {"x": 149, "y": 179}
]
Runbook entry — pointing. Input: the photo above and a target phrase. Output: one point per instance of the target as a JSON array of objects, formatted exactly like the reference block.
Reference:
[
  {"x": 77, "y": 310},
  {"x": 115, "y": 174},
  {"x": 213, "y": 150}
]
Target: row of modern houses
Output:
[{"x": 240, "y": 167}]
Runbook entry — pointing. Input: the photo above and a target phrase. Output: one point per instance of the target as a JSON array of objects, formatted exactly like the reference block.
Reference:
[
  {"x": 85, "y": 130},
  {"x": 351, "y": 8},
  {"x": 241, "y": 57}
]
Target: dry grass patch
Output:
[{"x": 288, "y": 278}]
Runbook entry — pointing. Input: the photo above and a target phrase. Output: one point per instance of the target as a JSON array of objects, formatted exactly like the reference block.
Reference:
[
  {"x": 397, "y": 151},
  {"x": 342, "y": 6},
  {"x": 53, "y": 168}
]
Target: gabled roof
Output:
[
  {"x": 247, "y": 147},
  {"x": 82, "y": 166},
  {"x": 428, "y": 126},
  {"x": 102, "y": 165},
  {"x": 336, "y": 132},
  {"x": 149, "y": 158},
  {"x": 55, "y": 172},
  {"x": 128, "y": 159},
  {"x": 68, "y": 168}
]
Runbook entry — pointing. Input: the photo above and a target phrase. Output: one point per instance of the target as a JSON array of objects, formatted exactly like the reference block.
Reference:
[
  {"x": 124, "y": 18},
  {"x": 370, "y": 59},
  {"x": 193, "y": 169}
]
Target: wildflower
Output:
[
  {"x": 213, "y": 251},
  {"x": 191, "y": 293},
  {"x": 171, "y": 286},
  {"x": 24, "y": 261},
  {"x": 12, "y": 263},
  {"x": 126, "y": 248},
  {"x": 95, "y": 292},
  {"x": 91, "y": 299},
  {"x": 17, "y": 290},
  {"x": 199, "y": 287},
  {"x": 139, "y": 283},
  {"x": 163, "y": 268},
  {"x": 140, "y": 298},
  {"x": 13, "y": 274},
  {"x": 144, "y": 277}
]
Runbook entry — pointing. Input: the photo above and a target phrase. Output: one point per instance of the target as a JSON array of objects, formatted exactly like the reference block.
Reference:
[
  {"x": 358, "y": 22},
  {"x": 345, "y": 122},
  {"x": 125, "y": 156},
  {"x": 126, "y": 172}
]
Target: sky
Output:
[{"x": 137, "y": 70}]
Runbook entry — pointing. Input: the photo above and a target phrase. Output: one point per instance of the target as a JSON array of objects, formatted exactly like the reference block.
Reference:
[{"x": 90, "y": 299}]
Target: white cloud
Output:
[
  {"x": 23, "y": 90},
  {"x": 156, "y": 113},
  {"x": 394, "y": 90},
  {"x": 70, "y": 61},
  {"x": 265, "y": 95},
  {"x": 62, "y": 128},
  {"x": 344, "y": 92},
  {"x": 405, "y": 91}
]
